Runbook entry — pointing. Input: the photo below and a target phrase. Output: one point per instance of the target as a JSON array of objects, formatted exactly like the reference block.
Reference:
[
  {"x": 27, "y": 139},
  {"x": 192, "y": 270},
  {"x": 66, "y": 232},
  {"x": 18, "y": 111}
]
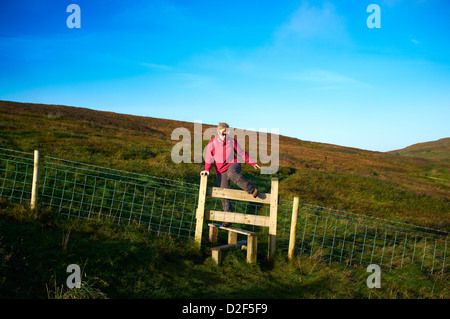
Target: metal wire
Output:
[
  {"x": 167, "y": 206},
  {"x": 16, "y": 175},
  {"x": 88, "y": 192},
  {"x": 355, "y": 239},
  {"x": 95, "y": 195}
]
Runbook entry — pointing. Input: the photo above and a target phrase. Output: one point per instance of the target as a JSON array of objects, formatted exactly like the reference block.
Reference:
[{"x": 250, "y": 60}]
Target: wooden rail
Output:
[
  {"x": 236, "y": 194},
  {"x": 238, "y": 218}
]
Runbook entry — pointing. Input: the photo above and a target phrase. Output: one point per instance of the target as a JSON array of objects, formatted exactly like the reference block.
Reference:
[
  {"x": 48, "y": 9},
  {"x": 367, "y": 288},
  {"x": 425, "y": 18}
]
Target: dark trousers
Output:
[{"x": 233, "y": 174}]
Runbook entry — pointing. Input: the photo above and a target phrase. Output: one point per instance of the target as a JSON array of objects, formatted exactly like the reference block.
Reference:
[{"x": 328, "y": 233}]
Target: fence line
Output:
[
  {"x": 168, "y": 206},
  {"x": 352, "y": 239}
]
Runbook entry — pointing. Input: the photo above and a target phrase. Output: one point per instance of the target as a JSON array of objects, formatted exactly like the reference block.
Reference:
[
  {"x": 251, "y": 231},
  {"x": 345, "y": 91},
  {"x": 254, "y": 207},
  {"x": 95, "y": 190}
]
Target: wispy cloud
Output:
[
  {"x": 154, "y": 13},
  {"x": 391, "y": 3},
  {"x": 156, "y": 66},
  {"x": 320, "y": 76},
  {"x": 313, "y": 23},
  {"x": 183, "y": 77},
  {"x": 306, "y": 29},
  {"x": 324, "y": 79},
  {"x": 193, "y": 80}
]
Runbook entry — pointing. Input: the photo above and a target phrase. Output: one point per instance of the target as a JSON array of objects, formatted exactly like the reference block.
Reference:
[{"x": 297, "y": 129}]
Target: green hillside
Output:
[
  {"x": 403, "y": 188},
  {"x": 130, "y": 262},
  {"x": 436, "y": 150}
]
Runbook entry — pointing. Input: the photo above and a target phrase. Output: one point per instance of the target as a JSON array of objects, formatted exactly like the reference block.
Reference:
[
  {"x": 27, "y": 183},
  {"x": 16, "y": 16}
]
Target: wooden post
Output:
[
  {"x": 252, "y": 243},
  {"x": 216, "y": 255},
  {"x": 213, "y": 232},
  {"x": 232, "y": 238},
  {"x": 293, "y": 228},
  {"x": 200, "y": 214},
  {"x": 35, "y": 183},
  {"x": 273, "y": 219}
]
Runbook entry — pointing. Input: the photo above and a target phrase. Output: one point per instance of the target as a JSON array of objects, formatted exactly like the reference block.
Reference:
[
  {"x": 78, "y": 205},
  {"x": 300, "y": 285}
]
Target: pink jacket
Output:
[{"x": 223, "y": 154}]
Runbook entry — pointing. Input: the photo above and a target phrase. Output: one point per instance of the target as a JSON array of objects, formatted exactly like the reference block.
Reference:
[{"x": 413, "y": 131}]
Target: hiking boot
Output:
[
  {"x": 255, "y": 193},
  {"x": 226, "y": 224}
]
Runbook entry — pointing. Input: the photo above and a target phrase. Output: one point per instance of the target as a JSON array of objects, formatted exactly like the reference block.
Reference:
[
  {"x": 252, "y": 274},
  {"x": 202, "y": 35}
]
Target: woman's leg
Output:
[
  {"x": 234, "y": 174},
  {"x": 224, "y": 182}
]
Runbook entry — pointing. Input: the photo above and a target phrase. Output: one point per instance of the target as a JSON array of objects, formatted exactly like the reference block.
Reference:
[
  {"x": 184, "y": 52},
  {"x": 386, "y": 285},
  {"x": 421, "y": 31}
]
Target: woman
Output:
[{"x": 222, "y": 151}]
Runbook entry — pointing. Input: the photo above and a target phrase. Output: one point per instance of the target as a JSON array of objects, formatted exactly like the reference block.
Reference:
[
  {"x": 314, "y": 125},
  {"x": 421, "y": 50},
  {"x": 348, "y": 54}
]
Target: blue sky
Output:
[{"x": 312, "y": 69}]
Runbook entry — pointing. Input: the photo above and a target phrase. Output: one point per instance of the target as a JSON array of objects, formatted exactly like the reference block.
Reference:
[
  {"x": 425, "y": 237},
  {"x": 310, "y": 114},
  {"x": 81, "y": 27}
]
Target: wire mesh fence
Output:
[
  {"x": 167, "y": 206},
  {"x": 16, "y": 170},
  {"x": 77, "y": 190},
  {"x": 91, "y": 192},
  {"x": 353, "y": 239}
]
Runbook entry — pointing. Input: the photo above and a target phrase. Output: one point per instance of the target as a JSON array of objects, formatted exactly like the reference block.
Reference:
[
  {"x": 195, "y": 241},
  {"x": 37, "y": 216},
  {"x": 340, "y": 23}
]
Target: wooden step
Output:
[
  {"x": 228, "y": 246},
  {"x": 235, "y": 230},
  {"x": 216, "y": 252}
]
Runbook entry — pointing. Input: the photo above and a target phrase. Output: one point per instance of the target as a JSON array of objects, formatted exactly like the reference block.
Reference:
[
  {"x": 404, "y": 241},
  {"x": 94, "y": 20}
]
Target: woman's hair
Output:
[{"x": 222, "y": 125}]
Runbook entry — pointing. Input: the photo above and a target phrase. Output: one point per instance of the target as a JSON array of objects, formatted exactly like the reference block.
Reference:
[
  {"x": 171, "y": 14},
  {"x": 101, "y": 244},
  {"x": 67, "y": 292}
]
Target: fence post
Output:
[
  {"x": 200, "y": 214},
  {"x": 35, "y": 184},
  {"x": 273, "y": 219},
  {"x": 293, "y": 228}
]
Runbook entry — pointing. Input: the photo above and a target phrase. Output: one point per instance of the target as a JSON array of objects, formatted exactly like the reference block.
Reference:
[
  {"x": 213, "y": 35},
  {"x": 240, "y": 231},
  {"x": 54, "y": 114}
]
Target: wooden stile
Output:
[{"x": 237, "y": 218}]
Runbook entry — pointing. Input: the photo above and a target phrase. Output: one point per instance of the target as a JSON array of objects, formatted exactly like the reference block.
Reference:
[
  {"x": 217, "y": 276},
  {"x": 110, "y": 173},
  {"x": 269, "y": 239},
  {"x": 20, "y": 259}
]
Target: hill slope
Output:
[
  {"x": 408, "y": 189},
  {"x": 436, "y": 150}
]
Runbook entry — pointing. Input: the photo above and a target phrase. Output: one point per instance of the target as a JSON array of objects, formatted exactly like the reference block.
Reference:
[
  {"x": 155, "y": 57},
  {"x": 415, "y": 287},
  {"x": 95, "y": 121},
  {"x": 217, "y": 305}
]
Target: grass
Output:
[
  {"x": 127, "y": 262},
  {"x": 363, "y": 194},
  {"x": 403, "y": 188},
  {"x": 437, "y": 150}
]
